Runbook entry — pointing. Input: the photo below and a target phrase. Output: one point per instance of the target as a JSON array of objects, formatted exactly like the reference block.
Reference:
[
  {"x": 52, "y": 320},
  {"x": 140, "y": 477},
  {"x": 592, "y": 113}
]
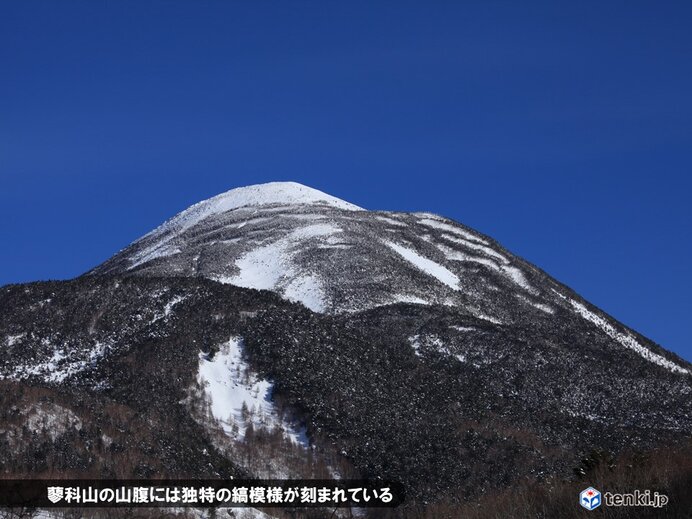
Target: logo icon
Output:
[{"x": 590, "y": 498}]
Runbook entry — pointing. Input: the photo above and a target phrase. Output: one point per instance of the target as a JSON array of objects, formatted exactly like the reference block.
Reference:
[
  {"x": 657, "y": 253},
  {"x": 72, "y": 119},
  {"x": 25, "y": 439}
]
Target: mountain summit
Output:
[{"x": 269, "y": 194}]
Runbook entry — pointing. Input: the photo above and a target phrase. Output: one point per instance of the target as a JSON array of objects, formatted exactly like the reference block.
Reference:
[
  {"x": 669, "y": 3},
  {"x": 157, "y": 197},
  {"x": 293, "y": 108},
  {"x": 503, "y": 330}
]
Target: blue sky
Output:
[{"x": 561, "y": 129}]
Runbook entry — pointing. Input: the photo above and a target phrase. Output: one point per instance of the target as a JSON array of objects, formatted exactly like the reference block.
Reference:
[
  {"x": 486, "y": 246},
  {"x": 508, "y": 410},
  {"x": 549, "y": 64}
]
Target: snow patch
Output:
[
  {"x": 52, "y": 419},
  {"x": 463, "y": 328},
  {"x": 623, "y": 338},
  {"x": 414, "y": 341},
  {"x": 313, "y": 231},
  {"x": 261, "y": 268},
  {"x": 390, "y": 221},
  {"x": 14, "y": 339},
  {"x": 543, "y": 307},
  {"x": 477, "y": 247},
  {"x": 337, "y": 246},
  {"x": 308, "y": 217},
  {"x": 518, "y": 277},
  {"x": 172, "y": 303},
  {"x": 168, "y": 308},
  {"x": 404, "y": 298},
  {"x": 238, "y": 396},
  {"x": 454, "y": 255},
  {"x": 426, "y": 265},
  {"x": 485, "y": 317},
  {"x": 437, "y": 224},
  {"x": 158, "y": 250},
  {"x": 513, "y": 273},
  {"x": 306, "y": 290},
  {"x": 270, "y": 267},
  {"x": 433, "y": 342},
  {"x": 60, "y": 366}
]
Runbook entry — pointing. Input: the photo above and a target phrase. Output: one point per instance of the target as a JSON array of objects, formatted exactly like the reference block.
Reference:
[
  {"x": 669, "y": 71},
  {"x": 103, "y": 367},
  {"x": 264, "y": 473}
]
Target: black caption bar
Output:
[{"x": 67, "y": 493}]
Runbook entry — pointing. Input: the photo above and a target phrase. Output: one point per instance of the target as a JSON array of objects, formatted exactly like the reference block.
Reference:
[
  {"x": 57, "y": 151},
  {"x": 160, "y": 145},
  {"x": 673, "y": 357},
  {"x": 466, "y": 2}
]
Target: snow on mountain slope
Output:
[
  {"x": 267, "y": 266},
  {"x": 326, "y": 253},
  {"x": 428, "y": 266},
  {"x": 625, "y": 339},
  {"x": 238, "y": 397},
  {"x": 335, "y": 257},
  {"x": 272, "y": 193}
]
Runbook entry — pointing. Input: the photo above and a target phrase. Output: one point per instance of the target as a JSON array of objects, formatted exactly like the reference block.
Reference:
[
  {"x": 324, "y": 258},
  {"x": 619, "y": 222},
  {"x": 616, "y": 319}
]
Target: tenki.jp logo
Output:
[{"x": 590, "y": 498}]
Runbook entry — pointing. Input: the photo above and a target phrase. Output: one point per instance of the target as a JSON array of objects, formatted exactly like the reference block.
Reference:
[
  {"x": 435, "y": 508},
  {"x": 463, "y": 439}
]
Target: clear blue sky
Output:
[{"x": 562, "y": 129}]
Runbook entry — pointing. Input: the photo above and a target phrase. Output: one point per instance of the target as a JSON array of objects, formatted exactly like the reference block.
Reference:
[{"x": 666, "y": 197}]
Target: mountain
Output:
[
  {"x": 275, "y": 330},
  {"x": 335, "y": 257}
]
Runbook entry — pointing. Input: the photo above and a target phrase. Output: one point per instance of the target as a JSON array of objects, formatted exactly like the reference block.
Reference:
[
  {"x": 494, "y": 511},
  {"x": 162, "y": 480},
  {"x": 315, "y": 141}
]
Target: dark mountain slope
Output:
[{"x": 430, "y": 396}]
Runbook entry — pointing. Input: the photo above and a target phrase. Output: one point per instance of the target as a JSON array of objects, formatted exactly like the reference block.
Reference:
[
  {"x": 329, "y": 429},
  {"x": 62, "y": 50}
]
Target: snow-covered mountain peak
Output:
[
  {"x": 258, "y": 195},
  {"x": 284, "y": 193}
]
